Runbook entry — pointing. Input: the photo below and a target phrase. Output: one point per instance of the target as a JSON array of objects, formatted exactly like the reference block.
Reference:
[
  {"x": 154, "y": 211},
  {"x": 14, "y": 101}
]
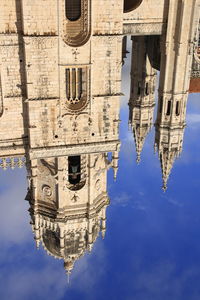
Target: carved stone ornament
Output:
[
  {"x": 47, "y": 191},
  {"x": 78, "y": 31},
  {"x": 98, "y": 185},
  {"x": 75, "y": 198}
]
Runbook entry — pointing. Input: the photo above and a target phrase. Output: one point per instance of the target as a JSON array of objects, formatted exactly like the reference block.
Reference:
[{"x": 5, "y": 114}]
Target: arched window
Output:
[
  {"x": 74, "y": 80},
  {"x": 74, "y": 169},
  {"x": 73, "y": 9},
  {"x": 168, "y": 108}
]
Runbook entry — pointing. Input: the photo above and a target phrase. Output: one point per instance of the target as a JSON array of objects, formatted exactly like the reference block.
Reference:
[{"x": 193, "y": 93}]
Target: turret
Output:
[
  {"x": 176, "y": 59},
  {"x": 115, "y": 160},
  {"x": 142, "y": 93}
]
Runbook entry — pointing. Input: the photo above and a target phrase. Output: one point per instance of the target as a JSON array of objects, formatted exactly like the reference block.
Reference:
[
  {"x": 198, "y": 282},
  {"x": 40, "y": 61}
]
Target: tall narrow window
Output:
[
  {"x": 74, "y": 169},
  {"x": 74, "y": 82},
  {"x": 147, "y": 89},
  {"x": 73, "y": 9},
  {"x": 177, "y": 108},
  {"x": 138, "y": 91},
  {"x": 168, "y": 107},
  {"x": 161, "y": 104}
]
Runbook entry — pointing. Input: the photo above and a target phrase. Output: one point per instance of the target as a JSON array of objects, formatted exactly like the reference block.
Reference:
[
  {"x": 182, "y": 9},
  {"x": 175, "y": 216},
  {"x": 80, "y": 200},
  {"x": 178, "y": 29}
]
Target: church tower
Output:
[
  {"x": 195, "y": 73},
  {"x": 176, "y": 59},
  {"x": 68, "y": 200},
  {"x": 142, "y": 93}
]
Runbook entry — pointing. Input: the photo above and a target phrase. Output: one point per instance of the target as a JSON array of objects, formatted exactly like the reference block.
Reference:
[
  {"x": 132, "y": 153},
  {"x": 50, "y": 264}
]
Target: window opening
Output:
[
  {"x": 177, "y": 108},
  {"x": 74, "y": 169},
  {"x": 73, "y": 9},
  {"x": 168, "y": 107}
]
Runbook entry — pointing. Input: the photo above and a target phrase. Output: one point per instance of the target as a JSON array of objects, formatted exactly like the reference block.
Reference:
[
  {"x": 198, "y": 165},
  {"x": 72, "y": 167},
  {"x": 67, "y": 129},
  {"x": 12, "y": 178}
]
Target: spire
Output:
[
  {"x": 68, "y": 276},
  {"x": 68, "y": 265},
  {"x": 167, "y": 158},
  {"x": 140, "y": 132}
]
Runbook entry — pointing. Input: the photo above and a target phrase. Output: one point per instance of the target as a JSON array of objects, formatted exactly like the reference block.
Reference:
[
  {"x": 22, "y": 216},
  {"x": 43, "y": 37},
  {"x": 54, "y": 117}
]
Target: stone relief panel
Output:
[{"x": 46, "y": 181}]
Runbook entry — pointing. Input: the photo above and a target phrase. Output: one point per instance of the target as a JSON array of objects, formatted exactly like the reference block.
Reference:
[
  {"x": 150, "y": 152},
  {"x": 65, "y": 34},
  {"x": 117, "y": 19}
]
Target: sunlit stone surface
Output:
[{"x": 60, "y": 87}]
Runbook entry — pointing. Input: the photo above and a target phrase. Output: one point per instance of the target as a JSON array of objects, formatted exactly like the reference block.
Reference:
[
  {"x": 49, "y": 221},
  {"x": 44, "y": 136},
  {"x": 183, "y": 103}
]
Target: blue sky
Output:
[{"x": 152, "y": 246}]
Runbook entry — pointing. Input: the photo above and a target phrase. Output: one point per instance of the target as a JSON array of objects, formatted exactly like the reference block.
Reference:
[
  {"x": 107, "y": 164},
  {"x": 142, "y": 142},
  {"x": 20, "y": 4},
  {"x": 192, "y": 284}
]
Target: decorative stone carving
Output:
[
  {"x": 75, "y": 198},
  {"x": 66, "y": 150},
  {"x": 47, "y": 191},
  {"x": 143, "y": 28},
  {"x": 98, "y": 185},
  {"x": 12, "y": 162},
  {"x": 76, "y": 33}
]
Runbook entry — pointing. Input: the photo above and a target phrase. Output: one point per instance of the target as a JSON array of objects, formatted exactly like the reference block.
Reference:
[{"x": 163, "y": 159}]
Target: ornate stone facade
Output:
[{"x": 60, "y": 85}]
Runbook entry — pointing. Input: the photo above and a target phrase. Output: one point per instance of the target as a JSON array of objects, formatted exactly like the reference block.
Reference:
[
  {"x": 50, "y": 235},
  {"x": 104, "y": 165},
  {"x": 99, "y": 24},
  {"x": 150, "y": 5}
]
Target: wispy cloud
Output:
[
  {"x": 14, "y": 217},
  {"x": 193, "y": 118},
  {"x": 122, "y": 199}
]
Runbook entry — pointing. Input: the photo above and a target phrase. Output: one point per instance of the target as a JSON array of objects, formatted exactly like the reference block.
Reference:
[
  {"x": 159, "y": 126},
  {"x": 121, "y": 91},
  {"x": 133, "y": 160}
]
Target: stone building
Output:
[
  {"x": 60, "y": 86},
  {"x": 176, "y": 57},
  {"x": 60, "y": 72}
]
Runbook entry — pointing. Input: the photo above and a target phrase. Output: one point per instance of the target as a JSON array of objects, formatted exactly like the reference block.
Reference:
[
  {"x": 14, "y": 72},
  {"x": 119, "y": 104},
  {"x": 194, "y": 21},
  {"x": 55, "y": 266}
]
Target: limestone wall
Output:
[
  {"x": 40, "y": 18},
  {"x": 9, "y": 16},
  {"x": 149, "y": 11},
  {"x": 107, "y": 16}
]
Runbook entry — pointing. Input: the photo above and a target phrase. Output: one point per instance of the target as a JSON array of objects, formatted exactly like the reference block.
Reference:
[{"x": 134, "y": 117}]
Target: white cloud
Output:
[
  {"x": 48, "y": 279},
  {"x": 14, "y": 216},
  {"x": 122, "y": 199},
  {"x": 193, "y": 118}
]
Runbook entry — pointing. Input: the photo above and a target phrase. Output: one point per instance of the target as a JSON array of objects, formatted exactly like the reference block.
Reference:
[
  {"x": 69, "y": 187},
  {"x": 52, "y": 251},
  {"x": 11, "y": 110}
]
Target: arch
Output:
[
  {"x": 73, "y": 9},
  {"x": 76, "y": 173},
  {"x": 77, "y": 88},
  {"x": 76, "y": 22},
  {"x": 130, "y": 5},
  {"x": 74, "y": 169}
]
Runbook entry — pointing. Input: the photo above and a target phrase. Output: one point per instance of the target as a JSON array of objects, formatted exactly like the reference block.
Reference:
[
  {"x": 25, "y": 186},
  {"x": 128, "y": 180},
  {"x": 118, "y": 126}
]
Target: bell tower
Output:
[
  {"x": 176, "y": 58},
  {"x": 142, "y": 93},
  {"x": 68, "y": 200}
]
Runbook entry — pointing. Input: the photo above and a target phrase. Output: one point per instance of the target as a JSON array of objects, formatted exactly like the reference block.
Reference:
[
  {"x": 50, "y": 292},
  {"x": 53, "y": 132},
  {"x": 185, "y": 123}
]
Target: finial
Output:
[
  {"x": 138, "y": 158},
  {"x": 164, "y": 187},
  {"x": 68, "y": 265},
  {"x": 90, "y": 246},
  {"x": 68, "y": 276},
  {"x": 129, "y": 125},
  {"x": 115, "y": 177},
  {"x": 115, "y": 170},
  {"x": 155, "y": 148},
  {"x": 103, "y": 232},
  {"x": 37, "y": 243}
]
